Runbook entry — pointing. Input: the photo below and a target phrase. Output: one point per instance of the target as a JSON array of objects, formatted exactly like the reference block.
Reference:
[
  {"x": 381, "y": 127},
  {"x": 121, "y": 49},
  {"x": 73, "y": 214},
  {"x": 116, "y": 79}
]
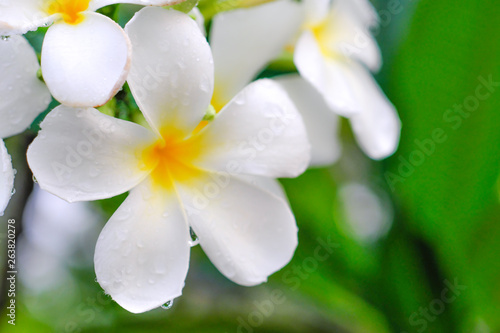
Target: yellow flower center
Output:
[
  {"x": 171, "y": 159},
  {"x": 70, "y": 9}
]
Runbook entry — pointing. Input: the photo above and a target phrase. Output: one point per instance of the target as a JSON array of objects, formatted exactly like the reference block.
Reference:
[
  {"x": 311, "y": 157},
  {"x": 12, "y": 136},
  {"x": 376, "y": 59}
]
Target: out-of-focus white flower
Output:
[
  {"x": 55, "y": 232},
  {"x": 85, "y": 55},
  {"x": 365, "y": 215},
  {"x": 333, "y": 53},
  {"x": 180, "y": 175},
  {"x": 6, "y": 177},
  {"x": 22, "y": 98}
]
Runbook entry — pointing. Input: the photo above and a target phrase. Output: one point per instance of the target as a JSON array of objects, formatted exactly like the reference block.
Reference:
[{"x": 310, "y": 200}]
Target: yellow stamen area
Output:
[
  {"x": 171, "y": 159},
  {"x": 218, "y": 103},
  {"x": 322, "y": 35},
  {"x": 70, "y": 9}
]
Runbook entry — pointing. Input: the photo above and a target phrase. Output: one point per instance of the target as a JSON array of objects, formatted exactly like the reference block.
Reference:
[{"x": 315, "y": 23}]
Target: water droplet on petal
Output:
[
  {"x": 194, "y": 238},
  {"x": 168, "y": 305}
]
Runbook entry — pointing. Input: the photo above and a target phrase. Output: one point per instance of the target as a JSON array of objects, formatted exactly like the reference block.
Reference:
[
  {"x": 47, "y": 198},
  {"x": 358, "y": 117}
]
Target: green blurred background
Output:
[{"x": 408, "y": 244}]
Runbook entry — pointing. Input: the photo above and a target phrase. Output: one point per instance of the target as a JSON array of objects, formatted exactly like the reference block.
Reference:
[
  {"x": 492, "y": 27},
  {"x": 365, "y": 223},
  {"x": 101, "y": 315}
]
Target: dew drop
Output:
[
  {"x": 168, "y": 305},
  {"x": 194, "y": 238},
  {"x": 34, "y": 179},
  {"x": 5, "y": 38}
]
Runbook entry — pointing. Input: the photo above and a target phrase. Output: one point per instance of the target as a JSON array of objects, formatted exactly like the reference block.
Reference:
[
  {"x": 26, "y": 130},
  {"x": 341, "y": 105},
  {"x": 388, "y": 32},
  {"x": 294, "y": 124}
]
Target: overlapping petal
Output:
[
  {"x": 328, "y": 76},
  {"x": 260, "y": 132},
  {"x": 345, "y": 35},
  {"x": 243, "y": 41},
  {"x": 82, "y": 154},
  {"x": 361, "y": 10},
  {"x": 316, "y": 10},
  {"x": 87, "y": 63},
  {"x": 6, "y": 177},
  {"x": 270, "y": 185},
  {"x": 22, "y": 95},
  {"x": 171, "y": 76},
  {"x": 248, "y": 233},
  {"x": 377, "y": 128},
  {"x": 20, "y": 16},
  {"x": 322, "y": 124},
  {"x": 142, "y": 255}
]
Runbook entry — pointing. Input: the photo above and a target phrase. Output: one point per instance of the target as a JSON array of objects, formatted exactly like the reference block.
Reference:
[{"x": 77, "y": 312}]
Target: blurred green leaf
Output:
[{"x": 447, "y": 177}]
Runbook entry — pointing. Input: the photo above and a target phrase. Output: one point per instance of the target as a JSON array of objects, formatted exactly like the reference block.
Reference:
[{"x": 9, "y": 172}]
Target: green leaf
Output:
[{"x": 185, "y": 6}]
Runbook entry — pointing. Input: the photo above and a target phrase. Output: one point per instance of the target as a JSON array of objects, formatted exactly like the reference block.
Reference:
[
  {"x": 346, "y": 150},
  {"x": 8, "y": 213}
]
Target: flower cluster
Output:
[{"x": 214, "y": 138}]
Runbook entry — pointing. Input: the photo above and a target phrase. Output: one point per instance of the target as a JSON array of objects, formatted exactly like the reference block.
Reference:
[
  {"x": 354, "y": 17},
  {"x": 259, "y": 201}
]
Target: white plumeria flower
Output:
[
  {"x": 22, "y": 97},
  {"x": 85, "y": 55},
  {"x": 333, "y": 53},
  {"x": 180, "y": 176}
]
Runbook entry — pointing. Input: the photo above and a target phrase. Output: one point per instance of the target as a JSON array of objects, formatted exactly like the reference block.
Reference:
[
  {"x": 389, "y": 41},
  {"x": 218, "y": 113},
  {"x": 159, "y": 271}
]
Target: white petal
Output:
[
  {"x": 260, "y": 132},
  {"x": 326, "y": 75},
  {"x": 96, "y": 4},
  {"x": 142, "y": 255},
  {"x": 377, "y": 128},
  {"x": 172, "y": 68},
  {"x": 85, "y": 64},
  {"x": 267, "y": 184},
  {"x": 20, "y": 16},
  {"x": 243, "y": 41},
  {"x": 6, "y": 177},
  {"x": 22, "y": 95},
  {"x": 361, "y": 10},
  {"x": 316, "y": 10},
  {"x": 322, "y": 124},
  {"x": 82, "y": 154},
  {"x": 247, "y": 233},
  {"x": 346, "y": 36},
  {"x": 199, "y": 19}
]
